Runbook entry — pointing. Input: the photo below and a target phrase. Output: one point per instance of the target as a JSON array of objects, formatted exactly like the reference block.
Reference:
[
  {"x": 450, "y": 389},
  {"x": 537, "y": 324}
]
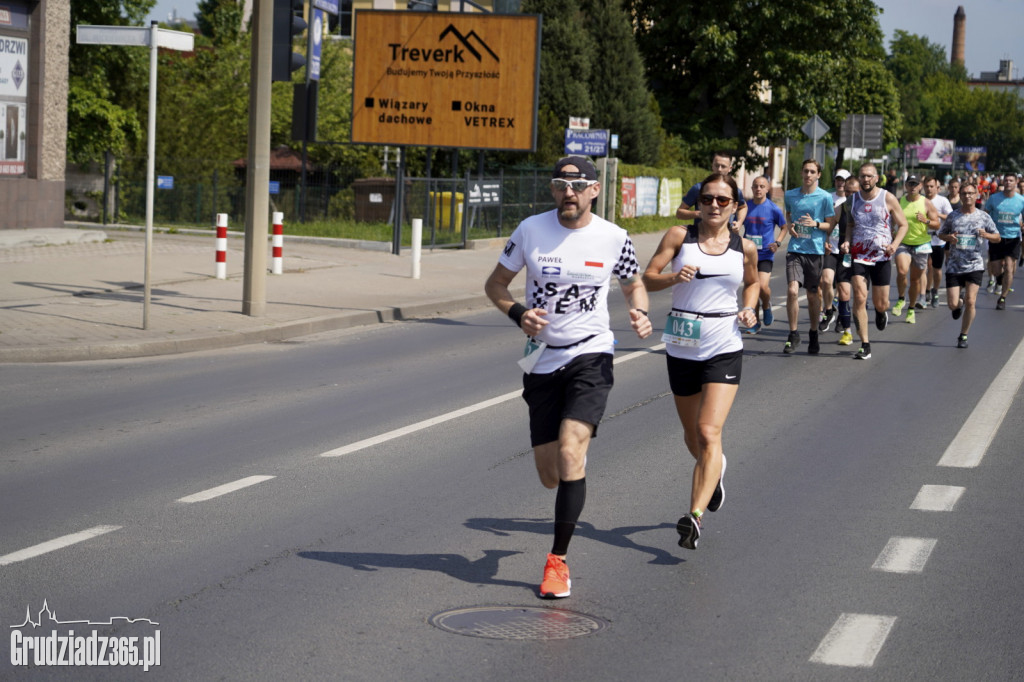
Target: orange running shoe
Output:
[{"x": 556, "y": 579}]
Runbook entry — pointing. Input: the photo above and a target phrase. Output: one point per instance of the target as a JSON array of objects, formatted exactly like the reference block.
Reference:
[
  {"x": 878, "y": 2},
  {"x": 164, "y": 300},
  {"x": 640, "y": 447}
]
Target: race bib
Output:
[
  {"x": 531, "y": 355},
  {"x": 682, "y": 329},
  {"x": 967, "y": 241},
  {"x": 758, "y": 241},
  {"x": 805, "y": 231},
  {"x": 923, "y": 248}
]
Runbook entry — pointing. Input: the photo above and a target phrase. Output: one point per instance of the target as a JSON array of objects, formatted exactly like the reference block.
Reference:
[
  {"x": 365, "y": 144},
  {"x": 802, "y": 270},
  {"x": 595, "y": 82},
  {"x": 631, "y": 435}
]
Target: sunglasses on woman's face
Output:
[{"x": 707, "y": 199}]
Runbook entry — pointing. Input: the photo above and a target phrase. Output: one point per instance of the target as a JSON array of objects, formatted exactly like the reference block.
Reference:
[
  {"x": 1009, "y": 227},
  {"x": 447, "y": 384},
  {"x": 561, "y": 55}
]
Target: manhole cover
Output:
[{"x": 517, "y": 622}]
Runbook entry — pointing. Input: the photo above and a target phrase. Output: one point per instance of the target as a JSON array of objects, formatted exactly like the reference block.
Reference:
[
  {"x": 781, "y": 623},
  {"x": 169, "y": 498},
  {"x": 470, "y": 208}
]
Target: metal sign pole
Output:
[
  {"x": 152, "y": 37},
  {"x": 150, "y": 173}
]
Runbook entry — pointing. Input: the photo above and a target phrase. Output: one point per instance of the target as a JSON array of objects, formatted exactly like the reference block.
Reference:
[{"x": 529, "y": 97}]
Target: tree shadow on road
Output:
[
  {"x": 479, "y": 572},
  {"x": 617, "y": 537}
]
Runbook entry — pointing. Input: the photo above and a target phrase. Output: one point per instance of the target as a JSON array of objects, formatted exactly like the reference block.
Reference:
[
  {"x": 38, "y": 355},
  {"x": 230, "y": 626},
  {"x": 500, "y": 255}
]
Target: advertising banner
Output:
[
  {"x": 442, "y": 79},
  {"x": 646, "y": 196},
  {"x": 628, "y": 198},
  {"x": 971, "y": 158},
  {"x": 13, "y": 104},
  {"x": 935, "y": 151},
  {"x": 670, "y": 196}
]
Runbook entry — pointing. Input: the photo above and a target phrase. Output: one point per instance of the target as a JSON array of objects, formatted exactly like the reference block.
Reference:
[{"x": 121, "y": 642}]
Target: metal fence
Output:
[{"x": 448, "y": 206}]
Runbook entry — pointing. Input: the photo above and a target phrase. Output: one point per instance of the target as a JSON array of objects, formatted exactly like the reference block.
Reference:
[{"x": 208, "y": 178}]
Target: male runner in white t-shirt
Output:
[{"x": 570, "y": 255}]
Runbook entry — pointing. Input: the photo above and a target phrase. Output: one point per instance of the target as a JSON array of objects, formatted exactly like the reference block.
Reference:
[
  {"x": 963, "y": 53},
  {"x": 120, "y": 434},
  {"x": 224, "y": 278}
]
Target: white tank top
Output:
[
  {"x": 872, "y": 228},
  {"x": 713, "y": 290}
]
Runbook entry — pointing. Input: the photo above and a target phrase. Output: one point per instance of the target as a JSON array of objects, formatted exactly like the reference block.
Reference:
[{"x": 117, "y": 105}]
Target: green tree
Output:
[
  {"x": 983, "y": 118},
  {"x": 220, "y": 20},
  {"x": 202, "y": 112},
  {"x": 617, "y": 84},
  {"x": 107, "y": 85},
  {"x": 334, "y": 117},
  {"x": 566, "y": 59},
  {"x": 918, "y": 67},
  {"x": 751, "y": 70}
]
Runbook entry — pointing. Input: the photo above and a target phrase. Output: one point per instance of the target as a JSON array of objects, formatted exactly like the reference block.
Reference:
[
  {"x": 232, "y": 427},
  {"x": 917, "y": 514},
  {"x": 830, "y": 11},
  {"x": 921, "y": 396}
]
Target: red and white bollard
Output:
[
  {"x": 222, "y": 246},
  {"x": 277, "y": 245}
]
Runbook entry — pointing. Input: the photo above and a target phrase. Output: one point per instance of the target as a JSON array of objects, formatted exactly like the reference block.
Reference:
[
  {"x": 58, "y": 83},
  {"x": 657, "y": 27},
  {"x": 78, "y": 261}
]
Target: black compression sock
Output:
[{"x": 568, "y": 506}]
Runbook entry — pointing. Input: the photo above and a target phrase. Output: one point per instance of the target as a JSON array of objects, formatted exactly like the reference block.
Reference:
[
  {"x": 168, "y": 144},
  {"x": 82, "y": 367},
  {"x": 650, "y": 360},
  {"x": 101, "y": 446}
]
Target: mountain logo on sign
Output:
[{"x": 465, "y": 40}]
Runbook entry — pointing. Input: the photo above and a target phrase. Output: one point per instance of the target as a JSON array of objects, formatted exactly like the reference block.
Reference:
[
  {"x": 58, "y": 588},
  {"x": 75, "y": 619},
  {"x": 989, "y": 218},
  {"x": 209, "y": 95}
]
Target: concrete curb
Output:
[{"x": 117, "y": 350}]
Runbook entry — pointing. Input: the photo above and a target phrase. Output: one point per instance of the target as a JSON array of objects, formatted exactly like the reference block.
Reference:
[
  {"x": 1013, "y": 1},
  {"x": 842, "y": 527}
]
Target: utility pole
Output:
[{"x": 257, "y": 184}]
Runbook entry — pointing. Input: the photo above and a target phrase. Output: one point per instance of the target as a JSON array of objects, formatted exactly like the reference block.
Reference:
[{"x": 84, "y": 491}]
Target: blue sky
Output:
[{"x": 993, "y": 26}]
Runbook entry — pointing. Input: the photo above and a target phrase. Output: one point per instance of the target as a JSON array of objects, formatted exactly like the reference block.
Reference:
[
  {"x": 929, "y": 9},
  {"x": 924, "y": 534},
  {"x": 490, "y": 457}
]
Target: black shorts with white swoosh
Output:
[{"x": 687, "y": 377}]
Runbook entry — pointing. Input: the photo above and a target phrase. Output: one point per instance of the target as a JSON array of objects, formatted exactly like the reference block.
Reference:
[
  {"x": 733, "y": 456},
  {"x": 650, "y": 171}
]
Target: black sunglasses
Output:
[{"x": 707, "y": 199}]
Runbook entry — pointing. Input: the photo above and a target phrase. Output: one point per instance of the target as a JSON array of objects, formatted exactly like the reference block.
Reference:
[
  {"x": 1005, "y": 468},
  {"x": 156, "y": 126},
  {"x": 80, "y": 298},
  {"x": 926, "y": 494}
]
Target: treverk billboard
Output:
[{"x": 443, "y": 79}]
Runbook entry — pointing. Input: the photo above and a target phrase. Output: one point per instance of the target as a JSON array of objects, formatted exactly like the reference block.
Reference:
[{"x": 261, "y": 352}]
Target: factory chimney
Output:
[{"x": 959, "y": 36}]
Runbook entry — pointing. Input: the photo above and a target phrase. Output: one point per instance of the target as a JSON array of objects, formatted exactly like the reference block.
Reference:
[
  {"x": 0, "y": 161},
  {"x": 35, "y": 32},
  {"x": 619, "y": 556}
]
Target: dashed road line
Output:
[
  {"x": 462, "y": 412},
  {"x": 937, "y": 497},
  {"x": 904, "y": 555},
  {"x": 55, "y": 544},
  {"x": 223, "y": 489},
  {"x": 854, "y": 641},
  {"x": 977, "y": 433}
]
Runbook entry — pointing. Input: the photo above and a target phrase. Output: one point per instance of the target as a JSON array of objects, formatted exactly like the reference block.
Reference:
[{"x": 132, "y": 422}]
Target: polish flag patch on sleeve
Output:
[{"x": 593, "y": 264}]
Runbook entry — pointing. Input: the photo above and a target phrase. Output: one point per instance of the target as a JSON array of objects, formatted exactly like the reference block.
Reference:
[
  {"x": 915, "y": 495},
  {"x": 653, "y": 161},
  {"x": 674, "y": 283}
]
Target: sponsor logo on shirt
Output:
[
  {"x": 593, "y": 264},
  {"x": 551, "y": 270}
]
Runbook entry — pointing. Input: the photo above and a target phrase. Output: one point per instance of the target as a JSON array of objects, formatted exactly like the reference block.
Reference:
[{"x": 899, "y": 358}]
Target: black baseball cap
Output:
[
  {"x": 586, "y": 168},
  {"x": 912, "y": 180}
]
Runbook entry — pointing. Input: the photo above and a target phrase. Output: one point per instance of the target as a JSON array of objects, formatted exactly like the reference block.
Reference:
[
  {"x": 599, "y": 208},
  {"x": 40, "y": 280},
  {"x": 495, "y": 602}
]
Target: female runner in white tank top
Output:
[{"x": 705, "y": 350}]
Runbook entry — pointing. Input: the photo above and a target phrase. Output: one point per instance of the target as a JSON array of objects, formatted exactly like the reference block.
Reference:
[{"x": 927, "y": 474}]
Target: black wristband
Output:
[
  {"x": 516, "y": 312},
  {"x": 641, "y": 310}
]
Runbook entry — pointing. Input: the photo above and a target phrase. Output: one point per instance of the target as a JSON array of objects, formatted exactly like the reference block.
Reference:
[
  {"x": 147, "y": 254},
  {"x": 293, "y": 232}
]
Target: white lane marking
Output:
[
  {"x": 854, "y": 641},
  {"x": 977, "y": 433},
  {"x": 224, "y": 489},
  {"x": 462, "y": 412},
  {"x": 56, "y": 543},
  {"x": 905, "y": 555},
  {"x": 937, "y": 497}
]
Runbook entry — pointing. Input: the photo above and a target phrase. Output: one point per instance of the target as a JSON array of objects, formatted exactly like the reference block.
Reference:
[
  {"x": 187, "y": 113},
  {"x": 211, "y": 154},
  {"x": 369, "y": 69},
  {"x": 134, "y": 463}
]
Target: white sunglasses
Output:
[{"x": 560, "y": 184}]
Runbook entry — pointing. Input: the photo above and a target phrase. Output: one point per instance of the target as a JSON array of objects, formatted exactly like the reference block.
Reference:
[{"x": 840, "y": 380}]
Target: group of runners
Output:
[
  {"x": 840, "y": 246},
  {"x": 843, "y": 243}
]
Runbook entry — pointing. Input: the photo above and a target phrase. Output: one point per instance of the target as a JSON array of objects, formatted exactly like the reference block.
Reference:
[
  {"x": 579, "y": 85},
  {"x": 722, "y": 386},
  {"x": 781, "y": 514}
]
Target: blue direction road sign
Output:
[
  {"x": 165, "y": 182},
  {"x": 586, "y": 142}
]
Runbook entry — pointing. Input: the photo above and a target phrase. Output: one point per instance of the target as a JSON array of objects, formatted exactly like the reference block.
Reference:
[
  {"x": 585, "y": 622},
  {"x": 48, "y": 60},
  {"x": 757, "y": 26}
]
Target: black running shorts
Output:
[
  {"x": 1004, "y": 248},
  {"x": 687, "y": 377},
  {"x": 962, "y": 279},
  {"x": 579, "y": 391},
  {"x": 879, "y": 274}
]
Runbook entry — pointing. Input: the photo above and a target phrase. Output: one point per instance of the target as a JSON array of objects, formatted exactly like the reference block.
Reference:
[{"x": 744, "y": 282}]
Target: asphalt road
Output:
[{"x": 819, "y": 566}]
